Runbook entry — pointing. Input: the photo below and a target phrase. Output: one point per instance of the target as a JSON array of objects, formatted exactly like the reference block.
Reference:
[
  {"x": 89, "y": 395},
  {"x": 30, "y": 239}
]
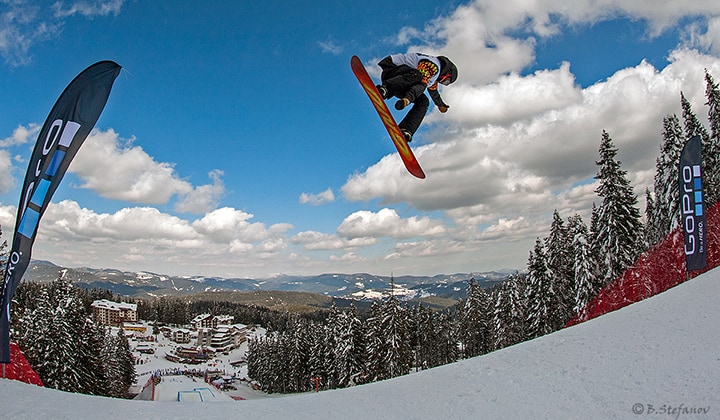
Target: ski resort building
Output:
[
  {"x": 113, "y": 313},
  {"x": 204, "y": 321}
]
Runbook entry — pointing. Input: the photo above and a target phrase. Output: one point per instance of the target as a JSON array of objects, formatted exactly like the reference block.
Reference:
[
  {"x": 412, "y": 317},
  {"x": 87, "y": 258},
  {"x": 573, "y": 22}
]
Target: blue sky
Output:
[{"x": 236, "y": 141}]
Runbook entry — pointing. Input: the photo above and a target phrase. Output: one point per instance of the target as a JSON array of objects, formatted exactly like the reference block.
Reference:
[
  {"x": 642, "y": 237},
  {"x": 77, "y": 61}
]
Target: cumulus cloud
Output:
[
  {"x": 6, "y": 167},
  {"x": 387, "y": 222},
  {"x": 227, "y": 224},
  {"x": 203, "y": 198},
  {"x": 510, "y": 167},
  {"x": 21, "y": 135},
  {"x": 114, "y": 168},
  {"x": 318, "y": 241},
  {"x": 224, "y": 239},
  {"x": 324, "y": 197}
]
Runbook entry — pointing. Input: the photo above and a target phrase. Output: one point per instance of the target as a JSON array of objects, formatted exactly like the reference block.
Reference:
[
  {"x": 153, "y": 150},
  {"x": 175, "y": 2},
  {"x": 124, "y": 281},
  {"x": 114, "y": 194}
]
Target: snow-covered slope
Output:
[{"x": 643, "y": 361}]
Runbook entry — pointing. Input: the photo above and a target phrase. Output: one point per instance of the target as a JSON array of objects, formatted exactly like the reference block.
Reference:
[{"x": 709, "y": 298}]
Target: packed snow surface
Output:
[{"x": 659, "y": 358}]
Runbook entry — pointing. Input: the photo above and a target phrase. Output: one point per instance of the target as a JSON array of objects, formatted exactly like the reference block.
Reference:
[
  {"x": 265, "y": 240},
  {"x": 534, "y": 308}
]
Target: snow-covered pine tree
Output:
[
  {"x": 389, "y": 351},
  {"x": 31, "y": 326},
  {"x": 422, "y": 335},
  {"x": 560, "y": 271},
  {"x": 113, "y": 381},
  {"x": 501, "y": 316},
  {"x": 618, "y": 238},
  {"x": 92, "y": 339},
  {"x": 125, "y": 363},
  {"x": 651, "y": 231},
  {"x": 539, "y": 294},
  {"x": 375, "y": 346},
  {"x": 60, "y": 357},
  {"x": 693, "y": 127},
  {"x": 475, "y": 321},
  {"x": 665, "y": 214},
  {"x": 583, "y": 267},
  {"x": 711, "y": 154},
  {"x": 349, "y": 351},
  {"x": 297, "y": 354},
  {"x": 255, "y": 357},
  {"x": 320, "y": 362},
  {"x": 446, "y": 349}
]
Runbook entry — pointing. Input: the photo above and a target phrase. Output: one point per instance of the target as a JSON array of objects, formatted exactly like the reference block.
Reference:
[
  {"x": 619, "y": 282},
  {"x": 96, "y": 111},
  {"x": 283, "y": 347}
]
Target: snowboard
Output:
[{"x": 397, "y": 137}]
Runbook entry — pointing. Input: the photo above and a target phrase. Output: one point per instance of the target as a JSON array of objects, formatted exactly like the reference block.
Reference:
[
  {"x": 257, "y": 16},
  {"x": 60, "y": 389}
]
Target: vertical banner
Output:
[
  {"x": 692, "y": 207},
  {"x": 70, "y": 121}
]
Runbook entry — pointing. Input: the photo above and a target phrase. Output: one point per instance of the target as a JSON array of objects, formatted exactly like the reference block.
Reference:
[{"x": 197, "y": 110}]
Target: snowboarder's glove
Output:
[
  {"x": 402, "y": 103},
  {"x": 443, "y": 109}
]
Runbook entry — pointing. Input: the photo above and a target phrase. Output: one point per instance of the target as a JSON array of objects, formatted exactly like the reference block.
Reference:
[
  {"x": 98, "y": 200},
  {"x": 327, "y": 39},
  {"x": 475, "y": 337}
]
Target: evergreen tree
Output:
[
  {"x": 92, "y": 338},
  {"x": 445, "y": 349},
  {"x": 618, "y": 238},
  {"x": 125, "y": 363},
  {"x": 651, "y": 230},
  {"x": 693, "y": 127},
  {"x": 560, "y": 271},
  {"x": 501, "y": 316},
  {"x": 349, "y": 351},
  {"x": 540, "y": 294},
  {"x": 59, "y": 360},
  {"x": 297, "y": 354},
  {"x": 711, "y": 150},
  {"x": 475, "y": 321},
  {"x": 321, "y": 354},
  {"x": 666, "y": 211},
  {"x": 389, "y": 351},
  {"x": 583, "y": 269}
]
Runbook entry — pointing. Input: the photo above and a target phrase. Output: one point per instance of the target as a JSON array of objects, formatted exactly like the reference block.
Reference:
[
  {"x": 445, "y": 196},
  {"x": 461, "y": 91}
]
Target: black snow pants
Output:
[{"x": 406, "y": 82}]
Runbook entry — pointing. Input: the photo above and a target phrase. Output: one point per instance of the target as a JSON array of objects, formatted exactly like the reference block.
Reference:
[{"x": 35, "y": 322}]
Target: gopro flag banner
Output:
[
  {"x": 692, "y": 207},
  {"x": 70, "y": 121}
]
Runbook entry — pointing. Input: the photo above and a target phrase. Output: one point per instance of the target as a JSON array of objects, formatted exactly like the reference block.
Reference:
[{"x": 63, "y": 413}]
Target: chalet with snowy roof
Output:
[
  {"x": 180, "y": 335},
  {"x": 113, "y": 313},
  {"x": 204, "y": 321}
]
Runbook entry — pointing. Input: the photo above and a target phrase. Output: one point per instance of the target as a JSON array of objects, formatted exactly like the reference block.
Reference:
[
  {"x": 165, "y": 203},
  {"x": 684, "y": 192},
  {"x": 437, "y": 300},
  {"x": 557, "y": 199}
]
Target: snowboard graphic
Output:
[{"x": 403, "y": 148}]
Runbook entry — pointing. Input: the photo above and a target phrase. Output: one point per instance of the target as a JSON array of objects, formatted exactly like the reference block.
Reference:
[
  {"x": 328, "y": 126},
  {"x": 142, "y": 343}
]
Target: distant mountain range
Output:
[{"x": 346, "y": 286}]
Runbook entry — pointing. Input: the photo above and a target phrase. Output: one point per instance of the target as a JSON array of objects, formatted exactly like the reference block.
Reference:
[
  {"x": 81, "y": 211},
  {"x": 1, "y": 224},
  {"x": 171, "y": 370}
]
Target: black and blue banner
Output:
[
  {"x": 70, "y": 121},
  {"x": 692, "y": 207}
]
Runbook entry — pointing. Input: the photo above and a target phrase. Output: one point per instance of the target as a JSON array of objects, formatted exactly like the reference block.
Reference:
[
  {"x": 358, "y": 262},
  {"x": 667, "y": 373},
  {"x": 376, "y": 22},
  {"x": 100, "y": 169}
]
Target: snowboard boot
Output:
[
  {"x": 402, "y": 103},
  {"x": 383, "y": 91},
  {"x": 407, "y": 134}
]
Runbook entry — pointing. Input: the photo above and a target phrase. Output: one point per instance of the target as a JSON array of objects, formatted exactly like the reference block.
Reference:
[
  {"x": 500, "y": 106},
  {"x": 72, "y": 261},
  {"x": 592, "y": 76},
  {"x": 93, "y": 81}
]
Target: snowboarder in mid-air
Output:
[{"x": 406, "y": 76}]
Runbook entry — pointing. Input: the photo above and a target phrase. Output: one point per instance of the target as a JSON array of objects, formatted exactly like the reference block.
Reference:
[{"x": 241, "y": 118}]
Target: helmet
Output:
[{"x": 448, "y": 71}]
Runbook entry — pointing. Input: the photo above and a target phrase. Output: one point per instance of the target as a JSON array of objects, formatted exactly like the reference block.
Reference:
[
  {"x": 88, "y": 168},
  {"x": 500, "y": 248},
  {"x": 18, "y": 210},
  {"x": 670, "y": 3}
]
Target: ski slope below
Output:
[{"x": 659, "y": 358}]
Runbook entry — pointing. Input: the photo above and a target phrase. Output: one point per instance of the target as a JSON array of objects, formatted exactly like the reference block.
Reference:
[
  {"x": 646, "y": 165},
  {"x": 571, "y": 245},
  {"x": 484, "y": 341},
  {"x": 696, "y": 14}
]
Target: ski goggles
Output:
[{"x": 445, "y": 79}]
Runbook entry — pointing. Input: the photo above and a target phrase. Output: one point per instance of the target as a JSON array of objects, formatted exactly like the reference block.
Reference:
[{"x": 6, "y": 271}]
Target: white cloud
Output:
[
  {"x": 6, "y": 167},
  {"x": 330, "y": 47},
  {"x": 88, "y": 8},
  {"x": 318, "y": 241},
  {"x": 708, "y": 38},
  {"x": 324, "y": 197},
  {"x": 228, "y": 224},
  {"x": 21, "y": 135},
  {"x": 204, "y": 197},
  {"x": 386, "y": 222},
  {"x": 117, "y": 169}
]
